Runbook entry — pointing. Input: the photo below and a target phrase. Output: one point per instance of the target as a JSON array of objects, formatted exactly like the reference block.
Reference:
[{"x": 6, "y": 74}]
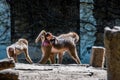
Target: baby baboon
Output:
[{"x": 21, "y": 46}]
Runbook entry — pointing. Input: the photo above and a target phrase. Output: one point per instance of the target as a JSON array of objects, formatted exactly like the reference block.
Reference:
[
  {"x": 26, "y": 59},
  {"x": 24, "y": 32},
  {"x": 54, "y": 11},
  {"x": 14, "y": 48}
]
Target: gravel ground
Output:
[{"x": 59, "y": 72}]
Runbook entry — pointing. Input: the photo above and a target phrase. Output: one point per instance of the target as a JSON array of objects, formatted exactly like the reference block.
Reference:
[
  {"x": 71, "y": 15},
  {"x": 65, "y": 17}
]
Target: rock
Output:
[
  {"x": 59, "y": 72},
  {"x": 5, "y": 31},
  {"x": 9, "y": 74},
  {"x": 87, "y": 29},
  {"x": 112, "y": 45},
  {"x": 4, "y": 22},
  {"x": 53, "y": 72},
  {"x": 7, "y": 63},
  {"x": 97, "y": 57},
  {"x": 3, "y": 53}
]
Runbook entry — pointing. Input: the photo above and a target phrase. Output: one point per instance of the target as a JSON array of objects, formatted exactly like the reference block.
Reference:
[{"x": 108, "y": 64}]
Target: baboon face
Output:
[{"x": 49, "y": 36}]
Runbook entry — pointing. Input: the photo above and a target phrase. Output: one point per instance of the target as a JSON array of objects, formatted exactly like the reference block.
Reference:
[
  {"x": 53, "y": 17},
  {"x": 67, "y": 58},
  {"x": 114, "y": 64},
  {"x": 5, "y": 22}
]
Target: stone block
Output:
[
  {"x": 97, "y": 56},
  {"x": 7, "y": 63},
  {"x": 9, "y": 74},
  {"x": 112, "y": 45}
]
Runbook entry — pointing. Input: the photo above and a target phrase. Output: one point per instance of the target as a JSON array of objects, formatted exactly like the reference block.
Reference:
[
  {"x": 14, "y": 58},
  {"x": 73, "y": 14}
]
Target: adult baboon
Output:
[{"x": 52, "y": 45}]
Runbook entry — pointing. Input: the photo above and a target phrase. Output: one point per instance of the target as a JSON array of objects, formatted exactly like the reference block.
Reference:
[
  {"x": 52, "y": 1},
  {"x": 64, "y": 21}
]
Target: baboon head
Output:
[
  {"x": 49, "y": 36},
  {"x": 44, "y": 36},
  {"x": 23, "y": 41}
]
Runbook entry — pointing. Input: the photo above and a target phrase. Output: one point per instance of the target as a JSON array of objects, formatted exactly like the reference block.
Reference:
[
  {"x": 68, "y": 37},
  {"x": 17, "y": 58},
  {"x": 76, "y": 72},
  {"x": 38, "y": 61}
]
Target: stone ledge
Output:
[
  {"x": 7, "y": 63},
  {"x": 53, "y": 72},
  {"x": 59, "y": 72},
  {"x": 9, "y": 74}
]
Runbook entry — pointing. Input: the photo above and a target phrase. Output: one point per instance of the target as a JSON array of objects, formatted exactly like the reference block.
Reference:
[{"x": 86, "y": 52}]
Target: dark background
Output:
[{"x": 29, "y": 17}]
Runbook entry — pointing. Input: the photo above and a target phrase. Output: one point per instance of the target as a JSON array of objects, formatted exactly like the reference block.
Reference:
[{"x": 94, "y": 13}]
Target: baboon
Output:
[
  {"x": 45, "y": 47},
  {"x": 58, "y": 45},
  {"x": 21, "y": 46}
]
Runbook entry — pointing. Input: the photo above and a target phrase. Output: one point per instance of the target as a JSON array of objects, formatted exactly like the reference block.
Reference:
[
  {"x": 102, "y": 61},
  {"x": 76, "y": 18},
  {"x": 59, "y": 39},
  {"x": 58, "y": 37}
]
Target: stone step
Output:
[
  {"x": 56, "y": 72},
  {"x": 7, "y": 63}
]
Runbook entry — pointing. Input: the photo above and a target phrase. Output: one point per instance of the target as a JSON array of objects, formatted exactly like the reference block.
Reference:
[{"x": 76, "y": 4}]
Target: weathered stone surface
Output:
[
  {"x": 59, "y": 72},
  {"x": 99, "y": 15},
  {"x": 7, "y": 63},
  {"x": 9, "y": 74},
  {"x": 97, "y": 57},
  {"x": 4, "y": 27},
  {"x": 87, "y": 29},
  {"x": 53, "y": 72},
  {"x": 3, "y": 53},
  {"x": 112, "y": 45}
]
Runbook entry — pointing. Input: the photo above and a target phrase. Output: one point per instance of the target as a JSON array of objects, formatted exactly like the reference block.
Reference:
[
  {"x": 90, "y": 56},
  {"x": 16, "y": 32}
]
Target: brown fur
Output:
[
  {"x": 59, "y": 45},
  {"x": 46, "y": 50},
  {"x": 17, "y": 48},
  {"x": 70, "y": 34},
  {"x": 66, "y": 43}
]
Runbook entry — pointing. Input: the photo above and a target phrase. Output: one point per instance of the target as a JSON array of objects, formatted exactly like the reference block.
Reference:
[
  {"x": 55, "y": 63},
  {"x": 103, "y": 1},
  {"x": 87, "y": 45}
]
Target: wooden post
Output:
[
  {"x": 97, "y": 57},
  {"x": 112, "y": 45}
]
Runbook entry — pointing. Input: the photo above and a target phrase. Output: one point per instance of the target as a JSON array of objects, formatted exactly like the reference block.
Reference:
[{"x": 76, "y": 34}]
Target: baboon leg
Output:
[
  {"x": 10, "y": 53},
  {"x": 73, "y": 53},
  {"x": 44, "y": 59},
  {"x": 27, "y": 56},
  {"x": 60, "y": 55},
  {"x": 52, "y": 60},
  {"x": 46, "y": 54},
  {"x": 15, "y": 58}
]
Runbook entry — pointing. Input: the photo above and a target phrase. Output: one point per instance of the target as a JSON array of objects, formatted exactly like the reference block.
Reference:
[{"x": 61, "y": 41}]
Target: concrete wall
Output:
[
  {"x": 5, "y": 34},
  {"x": 87, "y": 29}
]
